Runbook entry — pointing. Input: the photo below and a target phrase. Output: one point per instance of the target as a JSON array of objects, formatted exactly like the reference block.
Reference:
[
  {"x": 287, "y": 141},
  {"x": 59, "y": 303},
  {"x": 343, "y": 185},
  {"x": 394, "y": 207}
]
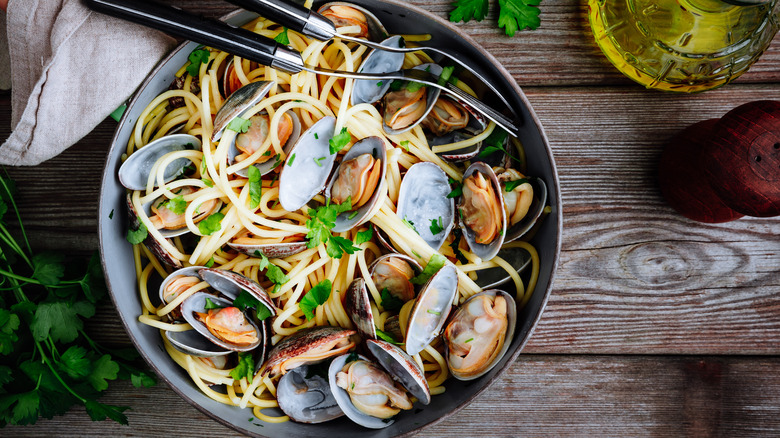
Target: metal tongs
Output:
[{"x": 249, "y": 45}]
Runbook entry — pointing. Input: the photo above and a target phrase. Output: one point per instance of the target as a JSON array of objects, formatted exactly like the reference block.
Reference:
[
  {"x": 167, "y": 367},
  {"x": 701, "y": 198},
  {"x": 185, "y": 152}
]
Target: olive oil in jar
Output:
[{"x": 682, "y": 45}]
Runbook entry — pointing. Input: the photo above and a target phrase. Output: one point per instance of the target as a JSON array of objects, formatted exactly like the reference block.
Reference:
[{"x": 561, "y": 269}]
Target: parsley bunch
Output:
[
  {"x": 47, "y": 361},
  {"x": 513, "y": 15},
  {"x": 323, "y": 219}
]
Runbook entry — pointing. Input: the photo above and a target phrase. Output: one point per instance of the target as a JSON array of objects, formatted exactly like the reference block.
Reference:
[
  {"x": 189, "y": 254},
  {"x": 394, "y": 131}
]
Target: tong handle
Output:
[
  {"x": 213, "y": 33},
  {"x": 293, "y": 16}
]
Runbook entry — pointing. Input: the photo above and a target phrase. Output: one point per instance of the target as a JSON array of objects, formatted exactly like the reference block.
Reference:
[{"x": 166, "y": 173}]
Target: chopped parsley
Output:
[
  {"x": 338, "y": 141},
  {"x": 433, "y": 312},
  {"x": 208, "y": 182},
  {"x": 255, "y": 186},
  {"x": 352, "y": 215},
  {"x": 436, "y": 227},
  {"x": 338, "y": 245},
  {"x": 436, "y": 262},
  {"x": 379, "y": 83},
  {"x": 414, "y": 87},
  {"x": 210, "y": 263},
  {"x": 282, "y": 37},
  {"x": 455, "y": 245},
  {"x": 468, "y": 340},
  {"x": 197, "y": 57},
  {"x": 175, "y": 205},
  {"x": 267, "y": 153},
  {"x": 245, "y": 367},
  {"x": 211, "y": 305},
  {"x": 273, "y": 272},
  {"x": 211, "y": 224},
  {"x": 365, "y": 235},
  {"x": 290, "y": 161},
  {"x": 390, "y": 302},
  {"x": 387, "y": 337},
  {"x": 239, "y": 125},
  {"x": 316, "y": 136},
  {"x": 511, "y": 185},
  {"x": 495, "y": 142},
  {"x": 322, "y": 220},
  {"x": 138, "y": 235},
  {"x": 457, "y": 191},
  {"x": 111, "y": 215},
  {"x": 405, "y": 144},
  {"x": 319, "y": 160},
  {"x": 353, "y": 356},
  {"x": 409, "y": 224},
  {"x": 318, "y": 295}
]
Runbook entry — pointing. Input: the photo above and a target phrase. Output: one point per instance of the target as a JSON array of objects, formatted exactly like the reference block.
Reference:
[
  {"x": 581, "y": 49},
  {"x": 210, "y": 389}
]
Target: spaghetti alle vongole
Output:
[{"x": 243, "y": 275}]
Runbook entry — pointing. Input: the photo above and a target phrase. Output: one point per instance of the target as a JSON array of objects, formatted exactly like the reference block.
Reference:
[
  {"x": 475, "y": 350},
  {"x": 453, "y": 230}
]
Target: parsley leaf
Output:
[
  {"x": 409, "y": 224},
  {"x": 455, "y": 245},
  {"x": 137, "y": 236},
  {"x": 60, "y": 320},
  {"x": 9, "y": 323},
  {"x": 457, "y": 191},
  {"x": 338, "y": 245},
  {"x": 99, "y": 412},
  {"x": 511, "y": 185},
  {"x": 390, "y": 302},
  {"x": 387, "y": 337},
  {"x": 516, "y": 15},
  {"x": 211, "y": 305},
  {"x": 197, "y": 57},
  {"x": 467, "y": 10},
  {"x": 338, "y": 141},
  {"x": 74, "y": 362},
  {"x": 211, "y": 224},
  {"x": 322, "y": 220},
  {"x": 210, "y": 263},
  {"x": 318, "y": 295},
  {"x": 239, "y": 125},
  {"x": 103, "y": 369},
  {"x": 255, "y": 186},
  {"x": 245, "y": 367},
  {"x": 282, "y": 38},
  {"x": 48, "y": 268},
  {"x": 273, "y": 272},
  {"x": 175, "y": 205},
  {"x": 405, "y": 144},
  {"x": 436, "y": 262},
  {"x": 245, "y": 300},
  {"x": 436, "y": 227},
  {"x": 142, "y": 380},
  {"x": 365, "y": 235}
]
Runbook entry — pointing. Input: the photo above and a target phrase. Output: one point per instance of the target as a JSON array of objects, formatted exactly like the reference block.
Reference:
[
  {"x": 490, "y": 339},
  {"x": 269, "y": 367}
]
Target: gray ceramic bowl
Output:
[{"x": 120, "y": 273}]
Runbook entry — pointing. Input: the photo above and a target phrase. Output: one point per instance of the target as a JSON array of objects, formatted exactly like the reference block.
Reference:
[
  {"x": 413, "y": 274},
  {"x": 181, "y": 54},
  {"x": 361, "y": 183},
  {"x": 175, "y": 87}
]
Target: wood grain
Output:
[{"x": 561, "y": 396}]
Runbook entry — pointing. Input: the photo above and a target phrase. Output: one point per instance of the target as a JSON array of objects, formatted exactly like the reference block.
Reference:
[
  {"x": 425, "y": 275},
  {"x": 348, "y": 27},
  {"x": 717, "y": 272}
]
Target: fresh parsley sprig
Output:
[
  {"x": 322, "y": 220},
  {"x": 48, "y": 363},
  {"x": 513, "y": 15}
]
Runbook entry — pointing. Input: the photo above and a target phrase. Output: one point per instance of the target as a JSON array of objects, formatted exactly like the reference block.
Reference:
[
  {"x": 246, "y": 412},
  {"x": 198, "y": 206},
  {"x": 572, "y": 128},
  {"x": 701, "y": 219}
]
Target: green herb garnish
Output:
[
  {"x": 436, "y": 262},
  {"x": 245, "y": 367},
  {"x": 196, "y": 58},
  {"x": 138, "y": 235},
  {"x": 175, "y": 205},
  {"x": 290, "y": 161},
  {"x": 409, "y": 224},
  {"x": 365, "y": 235},
  {"x": 319, "y": 161},
  {"x": 211, "y": 224},
  {"x": 318, "y": 295},
  {"x": 390, "y": 302},
  {"x": 457, "y": 190},
  {"x": 338, "y": 141},
  {"x": 211, "y": 305},
  {"x": 511, "y": 185},
  {"x": 513, "y": 15},
  {"x": 437, "y": 227},
  {"x": 282, "y": 37},
  {"x": 239, "y": 125},
  {"x": 387, "y": 337}
]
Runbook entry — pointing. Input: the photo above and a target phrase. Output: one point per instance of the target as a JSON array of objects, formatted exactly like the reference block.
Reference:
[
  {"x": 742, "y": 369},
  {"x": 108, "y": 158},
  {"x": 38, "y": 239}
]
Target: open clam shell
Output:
[
  {"x": 191, "y": 271},
  {"x": 231, "y": 284},
  {"x": 431, "y": 96},
  {"x": 238, "y": 102},
  {"x": 475, "y": 126},
  {"x": 375, "y": 29},
  {"x": 197, "y": 304},
  {"x": 378, "y": 61},
  {"x": 306, "y": 397},
  {"x": 489, "y": 250},
  {"x": 473, "y": 306},
  {"x": 369, "y": 145},
  {"x": 431, "y": 309},
  {"x": 386, "y": 278},
  {"x": 270, "y": 164},
  {"x": 308, "y": 166},
  {"x": 193, "y": 343},
  {"x": 422, "y": 199},
  {"x": 307, "y": 347},
  {"x": 519, "y": 229},
  {"x": 402, "y": 367},
  {"x": 357, "y": 304},
  {"x": 170, "y": 233},
  {"x": 270, "y": 250},
  {"x": 343, "y": 399},
  {"x": 134, "y": 172},
  {"x": 151, "y": 242}
]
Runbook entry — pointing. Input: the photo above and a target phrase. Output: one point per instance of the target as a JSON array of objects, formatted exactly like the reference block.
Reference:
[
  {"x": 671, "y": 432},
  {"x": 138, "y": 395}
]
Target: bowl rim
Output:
[{"x": 556, "y": 211}]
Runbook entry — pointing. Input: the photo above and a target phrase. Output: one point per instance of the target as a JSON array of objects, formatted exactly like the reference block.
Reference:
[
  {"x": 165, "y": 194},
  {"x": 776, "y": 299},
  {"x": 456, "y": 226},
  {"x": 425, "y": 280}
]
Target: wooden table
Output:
[{"x": 656, "y": 325}]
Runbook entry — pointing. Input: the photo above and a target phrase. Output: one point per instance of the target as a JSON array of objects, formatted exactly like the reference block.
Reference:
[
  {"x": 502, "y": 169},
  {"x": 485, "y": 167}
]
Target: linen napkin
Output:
[{"x": 69, "y": 69}]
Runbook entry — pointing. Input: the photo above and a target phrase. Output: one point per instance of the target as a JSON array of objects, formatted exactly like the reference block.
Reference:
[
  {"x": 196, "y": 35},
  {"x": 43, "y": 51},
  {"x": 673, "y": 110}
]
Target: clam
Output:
[
  {"x": 247, "y": 143},
  {"x": 479, "y": 333},
  {"x": 179, "y": 281},
  {"x": 244, "y": 243},
  {"x": 378, "y": 61},
  {"x": 519, "y": 258},
  {"x": 193, "y": 343},
  {"x": 308, "y": 166},
  {"x": 151, "y": 242},
  {"x": 305, "y": 396},
  {"x": 408, "y": 103},
  {"x": 134, "y": 172},
  {"x": 358, "y": 306},
  {"x": 536, "y": 189},
  {"x": 168, "y": 217},
  {"x": 394, "y": 273},
  {"x": 230, "y": 81},
  {"x": 231, "y": 284},
  {"x": 226, "y": 326},
  {"x": 348, "y": 14},
  {"x": 451, "y": 130},
  {"x": 238, "y": 102},
  {"x": 359, "y": 177},
  {"x": 402, "y": 367},
  {"x": 430, "y": 311},
  {"x": 423, "y": 201},
  {"x": 481, "y": 208},
  {"x": 446, "y": 116},
  {"x": 307, "y": 347}
]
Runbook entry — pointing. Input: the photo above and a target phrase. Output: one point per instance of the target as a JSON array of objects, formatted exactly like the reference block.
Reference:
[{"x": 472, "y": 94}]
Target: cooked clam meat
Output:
[
  {"x": 251, "y": 140},
  {"x": 168, "y": 214},
  {"x": 357, "y": 179},
  {"x": 405, "y": 106},
  {"x": 371, "y": 390},
  {"x": 230, "y": 325},
  {"x": 394, "y": 274},
  {"x": 446, "y": 116},
  {"x": 177, "y": 286},
  {"x": 344, "y": 16},
  {"x": 480, "y": 208},
  {"x": 476, "y": 335},
  {"x": 518, "y": 200}
]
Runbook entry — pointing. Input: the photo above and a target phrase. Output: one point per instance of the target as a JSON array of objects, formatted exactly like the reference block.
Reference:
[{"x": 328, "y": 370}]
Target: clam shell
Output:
[
  {"x": 238, "y": 102},
  {"x": 342, "y": 398},
  {"x": 193, "y": 343},
  {"x": 378, "y": 61},
  {"x": 302, "y": 179},
  {"x": 302, "y": 341},
  {"x": 151, "y": 242},
  {"x": 197, "y": 303},
  {"x": 134, "y": 172},
  {"x": 369, "y": 145},
  {"x": 306, "y": 399},
  {"x": 190, "y": 271},
  {"x": 489, "y": 250},
  {"x": 477, "y": 125},
  {"x": 432, "y": 95},
  {"x": 402, "y": 367},
  {"x": 271, "y": 164},
  {"x": 489, "y": 278},
  {"x": 270, "y": 250},
  {"x": 231, "y": 284},
  {"x": 358, "y": 306},
  {"x": 176, "y": 231},
  {"x": 519, "y": 229},
  {"x": 430, "y": 311},
  {"x": 422, "y": 198},
  {"x": 376, "y": 30},
  {"x": 510, "y": 331}
]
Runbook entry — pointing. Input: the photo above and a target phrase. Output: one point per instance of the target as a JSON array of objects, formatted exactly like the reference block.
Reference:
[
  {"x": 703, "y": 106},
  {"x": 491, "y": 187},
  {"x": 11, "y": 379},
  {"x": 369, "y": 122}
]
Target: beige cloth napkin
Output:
[{"x": 70, "y": 68}]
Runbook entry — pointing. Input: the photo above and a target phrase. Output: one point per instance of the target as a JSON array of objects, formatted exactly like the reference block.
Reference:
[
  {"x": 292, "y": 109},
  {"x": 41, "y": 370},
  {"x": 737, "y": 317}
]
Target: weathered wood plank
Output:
[{"x": 539, "y": 396}]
